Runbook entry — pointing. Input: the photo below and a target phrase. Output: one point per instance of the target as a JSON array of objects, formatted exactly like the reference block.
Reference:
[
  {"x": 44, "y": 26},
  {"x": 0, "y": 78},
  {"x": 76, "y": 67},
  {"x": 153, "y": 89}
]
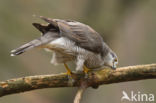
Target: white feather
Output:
[
  {"x": 12, "y": 55},
  {"x": 74, "y": 23},
  {"x": 68, "y": 45}
]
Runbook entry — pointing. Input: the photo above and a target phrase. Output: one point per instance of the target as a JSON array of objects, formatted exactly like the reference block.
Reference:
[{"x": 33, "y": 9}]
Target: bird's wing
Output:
[{"x": 83, "y": 35}]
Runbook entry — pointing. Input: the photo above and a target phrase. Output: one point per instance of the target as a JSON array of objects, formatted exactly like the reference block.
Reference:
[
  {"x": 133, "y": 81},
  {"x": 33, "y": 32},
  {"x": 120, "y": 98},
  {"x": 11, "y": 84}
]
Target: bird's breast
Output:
[{"x": 94, "y": 61}]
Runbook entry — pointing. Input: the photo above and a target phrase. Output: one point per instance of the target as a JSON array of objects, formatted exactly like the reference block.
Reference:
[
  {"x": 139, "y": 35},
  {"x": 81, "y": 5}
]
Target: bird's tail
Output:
[{"x": 30, "y": 45}]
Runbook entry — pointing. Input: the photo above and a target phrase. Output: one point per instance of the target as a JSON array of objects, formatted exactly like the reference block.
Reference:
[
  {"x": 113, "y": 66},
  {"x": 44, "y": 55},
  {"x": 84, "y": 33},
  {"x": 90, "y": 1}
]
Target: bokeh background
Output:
[{"x": 127, "y": 26}]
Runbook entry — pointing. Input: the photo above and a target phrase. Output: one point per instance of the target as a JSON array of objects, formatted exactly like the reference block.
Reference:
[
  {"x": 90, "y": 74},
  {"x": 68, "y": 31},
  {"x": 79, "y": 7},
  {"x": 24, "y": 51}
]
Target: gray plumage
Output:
[{"x": 71, "y": 41}]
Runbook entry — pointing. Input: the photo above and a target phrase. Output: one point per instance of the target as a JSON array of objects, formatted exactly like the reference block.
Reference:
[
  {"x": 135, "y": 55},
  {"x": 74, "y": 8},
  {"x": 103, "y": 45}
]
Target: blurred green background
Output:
[{"x": 128, "y": 27}]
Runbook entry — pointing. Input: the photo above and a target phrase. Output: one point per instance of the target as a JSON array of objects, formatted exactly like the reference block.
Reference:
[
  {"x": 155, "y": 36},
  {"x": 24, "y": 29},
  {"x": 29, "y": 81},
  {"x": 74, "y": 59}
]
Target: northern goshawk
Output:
[{"x": 71, "y": 41}]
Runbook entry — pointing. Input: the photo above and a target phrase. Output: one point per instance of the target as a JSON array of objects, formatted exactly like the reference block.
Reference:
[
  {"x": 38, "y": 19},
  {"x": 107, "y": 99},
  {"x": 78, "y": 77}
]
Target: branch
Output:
[{"x": 95, "y": 78}]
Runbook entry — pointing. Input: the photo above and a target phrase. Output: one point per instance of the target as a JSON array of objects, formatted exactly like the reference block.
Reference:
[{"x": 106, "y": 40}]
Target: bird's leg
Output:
[
  {"x": 86, "y": 70},
  {"x": 69, "y": 73},
  {"x": 68, "y": 70}
]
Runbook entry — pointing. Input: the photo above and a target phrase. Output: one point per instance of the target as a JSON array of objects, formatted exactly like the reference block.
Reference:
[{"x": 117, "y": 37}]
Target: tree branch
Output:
[{"x": 95, "y": 78}]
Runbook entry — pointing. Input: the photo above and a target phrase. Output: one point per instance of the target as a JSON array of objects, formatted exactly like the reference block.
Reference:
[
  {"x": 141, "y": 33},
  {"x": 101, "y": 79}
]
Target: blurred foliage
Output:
[{"x": 128, "y": 26}]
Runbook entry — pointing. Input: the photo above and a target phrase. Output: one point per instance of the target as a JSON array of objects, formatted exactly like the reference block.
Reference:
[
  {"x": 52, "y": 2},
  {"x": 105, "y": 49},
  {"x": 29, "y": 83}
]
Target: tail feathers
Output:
[
  {"x": 26, "y": 47},
  {"x": 21, "y": 50}
]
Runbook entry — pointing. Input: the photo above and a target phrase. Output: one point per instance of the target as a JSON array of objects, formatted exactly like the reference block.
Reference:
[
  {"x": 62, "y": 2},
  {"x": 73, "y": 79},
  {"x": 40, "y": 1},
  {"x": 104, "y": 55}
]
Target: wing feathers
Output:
[
  {"x": 53, "y": 23},
  {"x": 83, "y": 35},
  {"x": 40, "y": 27}
]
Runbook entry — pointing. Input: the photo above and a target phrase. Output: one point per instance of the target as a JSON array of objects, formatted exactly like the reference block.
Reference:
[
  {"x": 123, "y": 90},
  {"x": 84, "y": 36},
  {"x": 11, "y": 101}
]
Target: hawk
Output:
[{"x": 71, "y": 41}]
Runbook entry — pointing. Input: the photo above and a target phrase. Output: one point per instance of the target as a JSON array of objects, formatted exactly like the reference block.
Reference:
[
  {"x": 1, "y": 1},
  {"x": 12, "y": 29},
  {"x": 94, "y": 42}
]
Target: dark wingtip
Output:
[
  {"x": 40, "y": 27},
  {"x": 36, "y": 25},
  {"x": 44, "y": 28}
]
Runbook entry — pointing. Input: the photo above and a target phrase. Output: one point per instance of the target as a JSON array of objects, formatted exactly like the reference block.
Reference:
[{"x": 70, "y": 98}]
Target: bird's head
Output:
[{"x": 111, "y": 60}]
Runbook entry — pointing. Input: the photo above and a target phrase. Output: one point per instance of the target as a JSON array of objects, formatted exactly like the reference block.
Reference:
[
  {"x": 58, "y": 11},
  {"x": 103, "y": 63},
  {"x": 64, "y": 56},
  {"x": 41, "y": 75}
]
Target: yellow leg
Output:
[
  {"x": 68, "y": 70},
  {"x": 85, "y": 69},
  {"x": 69, "y": 73}
]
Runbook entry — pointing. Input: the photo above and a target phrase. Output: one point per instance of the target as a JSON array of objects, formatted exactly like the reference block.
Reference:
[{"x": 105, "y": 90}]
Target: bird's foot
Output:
[
  {"x": 69, "y": 74},
  {"x": 70, "y": 78}
]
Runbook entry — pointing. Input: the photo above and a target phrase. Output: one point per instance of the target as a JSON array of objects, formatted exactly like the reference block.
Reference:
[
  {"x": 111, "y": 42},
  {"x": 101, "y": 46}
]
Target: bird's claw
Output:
[{"x": 69, "y": 74}]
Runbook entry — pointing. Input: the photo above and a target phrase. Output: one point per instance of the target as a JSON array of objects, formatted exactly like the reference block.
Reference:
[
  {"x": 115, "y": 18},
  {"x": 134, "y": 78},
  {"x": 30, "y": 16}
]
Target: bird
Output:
[{"x": 71, "y": 40}]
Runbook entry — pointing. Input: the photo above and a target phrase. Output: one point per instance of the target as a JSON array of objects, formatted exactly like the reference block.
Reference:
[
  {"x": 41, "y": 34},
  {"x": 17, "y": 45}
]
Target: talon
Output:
[{"x": 69, "y": 73}]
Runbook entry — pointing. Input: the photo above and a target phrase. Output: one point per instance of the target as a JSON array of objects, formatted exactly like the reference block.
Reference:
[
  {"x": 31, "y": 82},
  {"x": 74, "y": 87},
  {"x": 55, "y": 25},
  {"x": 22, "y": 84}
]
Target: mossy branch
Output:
[{"x": 95, "y": 78}]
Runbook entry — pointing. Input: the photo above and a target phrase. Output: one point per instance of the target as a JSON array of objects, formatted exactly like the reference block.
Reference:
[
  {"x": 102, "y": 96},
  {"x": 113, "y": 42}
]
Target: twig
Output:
[
  {"x": 80, "y": 91},
  {"x": 79, "y": 95}
]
